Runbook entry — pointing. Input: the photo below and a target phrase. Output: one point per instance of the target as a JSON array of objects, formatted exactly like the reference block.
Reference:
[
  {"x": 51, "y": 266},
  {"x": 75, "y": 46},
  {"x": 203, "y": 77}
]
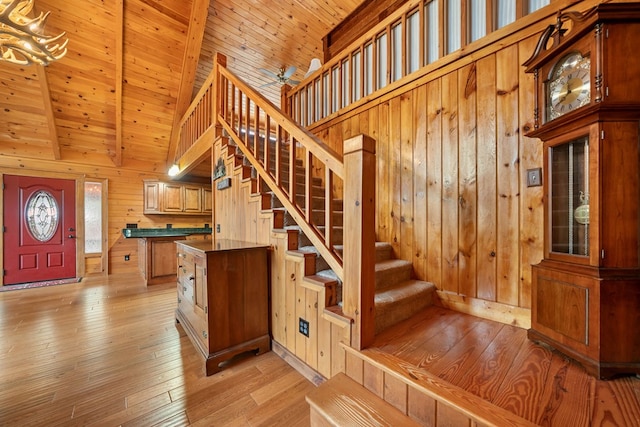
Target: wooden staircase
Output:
[
  {"x": 397, "y": 295},
  {"x": 308, "y": 266}
]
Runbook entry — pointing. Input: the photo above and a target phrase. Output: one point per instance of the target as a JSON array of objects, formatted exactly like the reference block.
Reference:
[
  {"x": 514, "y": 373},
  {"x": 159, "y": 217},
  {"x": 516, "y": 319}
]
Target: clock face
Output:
[{"x": 570, "y": 86}]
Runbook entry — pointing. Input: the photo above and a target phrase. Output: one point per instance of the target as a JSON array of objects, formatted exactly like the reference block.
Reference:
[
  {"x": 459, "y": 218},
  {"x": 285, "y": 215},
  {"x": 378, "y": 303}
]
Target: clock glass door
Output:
[{"x": 569, "y": 216}]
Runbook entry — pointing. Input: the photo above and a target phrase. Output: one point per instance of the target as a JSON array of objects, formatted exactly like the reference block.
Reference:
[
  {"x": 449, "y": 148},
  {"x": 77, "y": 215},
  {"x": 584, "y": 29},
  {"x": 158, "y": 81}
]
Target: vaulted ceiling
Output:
[{"x": 133, "y": 66}]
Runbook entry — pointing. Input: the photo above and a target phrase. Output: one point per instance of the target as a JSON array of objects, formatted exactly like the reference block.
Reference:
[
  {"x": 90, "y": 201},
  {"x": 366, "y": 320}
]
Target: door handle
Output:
[{"x": 71, "y": 236}]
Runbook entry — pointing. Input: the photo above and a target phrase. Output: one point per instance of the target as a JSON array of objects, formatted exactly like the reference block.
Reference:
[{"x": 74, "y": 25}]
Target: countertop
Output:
[
  {"x": 220, "y": 245},
  {"x": 163, "y": 232}
]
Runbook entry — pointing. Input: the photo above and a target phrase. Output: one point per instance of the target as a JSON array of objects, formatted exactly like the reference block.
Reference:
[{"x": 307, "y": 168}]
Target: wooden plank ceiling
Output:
[{"x": 133, "y": 66}]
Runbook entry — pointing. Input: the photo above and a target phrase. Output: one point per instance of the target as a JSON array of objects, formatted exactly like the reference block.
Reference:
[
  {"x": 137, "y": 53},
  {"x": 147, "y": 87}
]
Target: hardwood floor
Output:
[
  {"x": 498, "y": 363},
  {"x": 108, "y": 352}
]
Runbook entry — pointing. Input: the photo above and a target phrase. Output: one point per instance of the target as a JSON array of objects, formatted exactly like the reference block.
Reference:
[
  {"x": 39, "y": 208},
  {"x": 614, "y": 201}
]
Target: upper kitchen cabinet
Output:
[{"x": 176, "y": 198}]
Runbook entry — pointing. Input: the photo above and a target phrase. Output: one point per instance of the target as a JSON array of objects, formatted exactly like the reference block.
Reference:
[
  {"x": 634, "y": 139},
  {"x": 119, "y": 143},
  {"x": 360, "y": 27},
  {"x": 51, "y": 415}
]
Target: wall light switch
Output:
[{"x": 534, "y": 177}]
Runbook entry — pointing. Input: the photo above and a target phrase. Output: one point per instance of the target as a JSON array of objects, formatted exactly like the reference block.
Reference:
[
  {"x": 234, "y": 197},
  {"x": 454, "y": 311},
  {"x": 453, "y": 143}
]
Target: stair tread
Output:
[
  {"x": 390, "y": 264},
  {"x": 401, "y": 301},
  {"x": 320, "y": 279},
  {"x": 328, "y": 274},
  {"x": 341, "y": 401},
  {"x": 406, "y": 289}
]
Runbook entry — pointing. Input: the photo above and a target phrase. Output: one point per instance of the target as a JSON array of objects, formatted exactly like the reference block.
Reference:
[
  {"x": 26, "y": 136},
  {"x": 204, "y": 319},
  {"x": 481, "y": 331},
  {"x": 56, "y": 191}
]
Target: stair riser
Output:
[
  {"x": 391, "y": 277},
  {"x": 388, "y": 314}
]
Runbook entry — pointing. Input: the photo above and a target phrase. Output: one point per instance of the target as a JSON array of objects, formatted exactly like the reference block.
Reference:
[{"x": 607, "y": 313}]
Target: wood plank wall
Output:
[
  {"x": 451, "y": 191},
  {"x": 125, "y": 204}
]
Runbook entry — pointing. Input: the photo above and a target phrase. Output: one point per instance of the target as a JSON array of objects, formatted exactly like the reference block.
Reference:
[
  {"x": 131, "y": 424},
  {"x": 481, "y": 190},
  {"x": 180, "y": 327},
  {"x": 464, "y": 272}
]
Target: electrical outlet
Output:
[
  {"x": 303, "y": 326},
  {"x": 127, "y": 257}
]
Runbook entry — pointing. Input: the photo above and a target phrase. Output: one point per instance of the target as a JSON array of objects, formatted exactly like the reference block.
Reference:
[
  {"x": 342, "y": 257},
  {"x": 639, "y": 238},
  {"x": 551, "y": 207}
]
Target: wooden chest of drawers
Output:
[{"x": 223, "y": 302}]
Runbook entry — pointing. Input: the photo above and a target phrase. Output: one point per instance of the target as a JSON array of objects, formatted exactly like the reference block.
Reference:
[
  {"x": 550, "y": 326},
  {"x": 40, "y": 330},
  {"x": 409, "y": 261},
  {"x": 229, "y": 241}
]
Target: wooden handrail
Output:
[{"x": 253, "y": 122}]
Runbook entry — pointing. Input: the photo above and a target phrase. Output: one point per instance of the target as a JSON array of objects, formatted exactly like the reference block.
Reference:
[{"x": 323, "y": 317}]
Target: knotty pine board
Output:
[
  {"x": 487, "y": 227},
  {"x": 451, "y": 192}
]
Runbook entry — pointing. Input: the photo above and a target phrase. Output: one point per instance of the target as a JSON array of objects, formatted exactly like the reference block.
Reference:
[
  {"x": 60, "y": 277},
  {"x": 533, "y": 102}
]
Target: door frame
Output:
[{"x": 79, "y": 211}]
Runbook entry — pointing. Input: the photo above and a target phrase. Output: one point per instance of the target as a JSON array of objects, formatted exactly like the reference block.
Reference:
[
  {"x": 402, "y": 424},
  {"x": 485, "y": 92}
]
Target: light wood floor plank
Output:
[
  {"x": 107, "y": 352},
  {"x": 527, "y": 379}
]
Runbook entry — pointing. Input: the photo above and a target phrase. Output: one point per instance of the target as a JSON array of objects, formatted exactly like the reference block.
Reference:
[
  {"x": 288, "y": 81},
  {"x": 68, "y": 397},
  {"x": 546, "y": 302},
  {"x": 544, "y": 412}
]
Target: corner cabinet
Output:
[
  {"x": 223, "y": 298},
  {"x": 176, "y": 198},
  {"x": 586, "y": 290}
]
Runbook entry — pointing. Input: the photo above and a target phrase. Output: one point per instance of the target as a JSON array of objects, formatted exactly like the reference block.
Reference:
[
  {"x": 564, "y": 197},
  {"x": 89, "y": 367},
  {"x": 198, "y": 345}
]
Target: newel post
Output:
[
  {"x": 359, "y": 238},
  {"x": 219, "y": 60},
  {"x": 218, "y": 94}
]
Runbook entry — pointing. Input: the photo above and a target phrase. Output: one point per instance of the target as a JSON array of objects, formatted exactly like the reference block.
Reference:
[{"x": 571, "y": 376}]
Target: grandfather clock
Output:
[{"x": 586, "y": 290}]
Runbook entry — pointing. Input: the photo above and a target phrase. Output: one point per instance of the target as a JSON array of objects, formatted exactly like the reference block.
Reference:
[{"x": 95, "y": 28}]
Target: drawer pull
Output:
[{"x": 204, "y": 334}]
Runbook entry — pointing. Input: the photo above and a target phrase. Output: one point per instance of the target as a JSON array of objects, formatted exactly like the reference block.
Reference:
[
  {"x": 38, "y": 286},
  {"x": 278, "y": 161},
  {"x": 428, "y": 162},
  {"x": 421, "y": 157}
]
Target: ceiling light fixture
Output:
[
  {"x": 173, "y": 170},
  {"x": 22, "y": 40}
]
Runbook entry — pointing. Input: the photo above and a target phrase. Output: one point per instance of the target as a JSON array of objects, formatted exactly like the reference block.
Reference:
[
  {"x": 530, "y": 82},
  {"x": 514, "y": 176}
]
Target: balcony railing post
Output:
[
  {"x": 219, "y": 60},
  {"x": 285, "y": 102},
  {"x": 359, "y": 240}
]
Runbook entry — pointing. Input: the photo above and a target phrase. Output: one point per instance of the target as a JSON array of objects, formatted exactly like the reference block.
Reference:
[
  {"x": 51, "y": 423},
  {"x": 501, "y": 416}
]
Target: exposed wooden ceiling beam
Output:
[
  {"x": 119, "y": 76},
  {"x": 48, "y": 111},
  {"x": 197, "y": 26}
]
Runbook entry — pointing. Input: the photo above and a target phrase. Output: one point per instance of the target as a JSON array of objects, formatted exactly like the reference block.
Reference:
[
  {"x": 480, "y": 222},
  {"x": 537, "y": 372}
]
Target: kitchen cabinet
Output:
[
  {"x": 156, "y": 258},
  {"x": 177, "y": 198},
  {"x": 156, "y": 255}
]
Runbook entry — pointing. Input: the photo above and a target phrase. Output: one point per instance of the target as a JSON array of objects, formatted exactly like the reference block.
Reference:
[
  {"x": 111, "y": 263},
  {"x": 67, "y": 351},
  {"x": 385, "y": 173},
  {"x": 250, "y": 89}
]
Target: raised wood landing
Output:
[
  {"x": 108, "y": 352},
  {"x": 499, "y": 364}
]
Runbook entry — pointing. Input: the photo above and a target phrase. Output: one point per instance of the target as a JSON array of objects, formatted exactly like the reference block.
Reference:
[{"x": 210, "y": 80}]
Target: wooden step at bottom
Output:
[
  {"x": 341, "y": 401},
  {"x": 401, "y": 301}
]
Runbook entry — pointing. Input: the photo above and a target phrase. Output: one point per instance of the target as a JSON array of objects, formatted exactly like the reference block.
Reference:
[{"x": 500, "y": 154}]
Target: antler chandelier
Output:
[{"x": 22, "y": 40}]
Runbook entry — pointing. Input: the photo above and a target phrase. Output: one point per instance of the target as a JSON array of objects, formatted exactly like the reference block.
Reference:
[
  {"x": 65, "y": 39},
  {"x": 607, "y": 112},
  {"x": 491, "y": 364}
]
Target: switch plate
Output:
[
  {"x": 303, "y": 326},
  {"x": 534, "y": 177}
]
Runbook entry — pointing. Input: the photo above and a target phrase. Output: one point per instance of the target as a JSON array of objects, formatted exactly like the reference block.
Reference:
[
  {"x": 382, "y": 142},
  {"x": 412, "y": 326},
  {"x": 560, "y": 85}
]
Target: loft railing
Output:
[
  {"x": 414, "y": 36},
  {"x": 197, "y": 120}
]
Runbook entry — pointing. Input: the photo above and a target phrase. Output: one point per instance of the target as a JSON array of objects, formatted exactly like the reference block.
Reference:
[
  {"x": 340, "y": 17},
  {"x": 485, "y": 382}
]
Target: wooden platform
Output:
[{"x": 499, "y": 364}]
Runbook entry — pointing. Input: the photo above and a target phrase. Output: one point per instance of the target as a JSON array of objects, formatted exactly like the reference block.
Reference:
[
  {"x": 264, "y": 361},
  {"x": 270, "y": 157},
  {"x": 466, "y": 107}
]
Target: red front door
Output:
[{"x": 40, "y": 224}]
